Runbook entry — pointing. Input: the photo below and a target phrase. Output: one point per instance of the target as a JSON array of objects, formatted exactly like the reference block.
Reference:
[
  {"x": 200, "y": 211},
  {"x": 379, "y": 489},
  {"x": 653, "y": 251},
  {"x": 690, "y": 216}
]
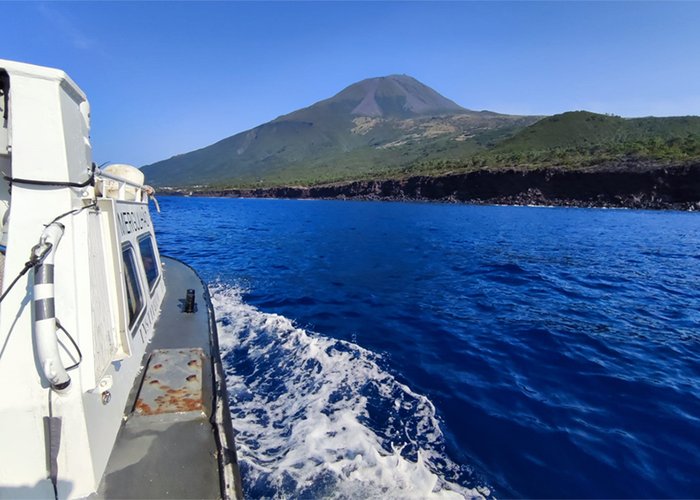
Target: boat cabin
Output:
[{"x": 101, "y": 357}]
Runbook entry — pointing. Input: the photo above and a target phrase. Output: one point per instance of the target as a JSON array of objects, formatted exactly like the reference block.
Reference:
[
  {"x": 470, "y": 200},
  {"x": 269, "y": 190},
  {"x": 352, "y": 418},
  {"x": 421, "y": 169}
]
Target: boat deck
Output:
[{"x": 176, "y": 421}]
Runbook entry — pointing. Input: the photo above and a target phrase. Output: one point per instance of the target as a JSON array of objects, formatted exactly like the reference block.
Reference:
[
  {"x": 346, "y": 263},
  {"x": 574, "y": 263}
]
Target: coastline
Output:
[{"x": 670, "y": 187}]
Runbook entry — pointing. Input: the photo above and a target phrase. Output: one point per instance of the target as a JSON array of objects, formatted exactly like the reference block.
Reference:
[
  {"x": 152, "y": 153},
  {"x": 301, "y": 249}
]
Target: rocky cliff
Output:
[{"x": 654, "y": 187}]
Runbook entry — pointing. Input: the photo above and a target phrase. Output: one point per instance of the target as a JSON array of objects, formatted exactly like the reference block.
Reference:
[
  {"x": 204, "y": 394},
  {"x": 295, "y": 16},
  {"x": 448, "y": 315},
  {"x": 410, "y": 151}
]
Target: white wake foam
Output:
[{"x": 305, "y": 408}]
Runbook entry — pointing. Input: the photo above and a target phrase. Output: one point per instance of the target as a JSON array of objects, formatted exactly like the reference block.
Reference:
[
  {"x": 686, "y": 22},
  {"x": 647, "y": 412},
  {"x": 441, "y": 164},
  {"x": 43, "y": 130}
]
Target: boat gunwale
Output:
[{"x": 220, "y": 419}]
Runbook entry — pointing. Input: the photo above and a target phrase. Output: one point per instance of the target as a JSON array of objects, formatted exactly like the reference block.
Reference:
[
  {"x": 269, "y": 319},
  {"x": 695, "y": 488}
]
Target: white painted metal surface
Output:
[{"x": 48, "y": 141}]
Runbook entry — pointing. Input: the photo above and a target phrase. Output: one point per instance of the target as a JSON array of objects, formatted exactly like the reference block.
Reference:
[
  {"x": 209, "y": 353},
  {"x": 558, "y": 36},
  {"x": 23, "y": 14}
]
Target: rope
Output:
[
  {"x": 27, "y": 267},
  {"x": 36, "y": 257},
  {"x": 34, "y": 182},
  {"x": 80, "y": 354},
  {"x": 73, "y": 212}
]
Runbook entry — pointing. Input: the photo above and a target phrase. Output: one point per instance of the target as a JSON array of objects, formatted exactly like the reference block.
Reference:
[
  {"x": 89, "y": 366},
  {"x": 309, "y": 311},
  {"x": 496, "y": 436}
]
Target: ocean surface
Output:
[{"x": 415, "y": 350}]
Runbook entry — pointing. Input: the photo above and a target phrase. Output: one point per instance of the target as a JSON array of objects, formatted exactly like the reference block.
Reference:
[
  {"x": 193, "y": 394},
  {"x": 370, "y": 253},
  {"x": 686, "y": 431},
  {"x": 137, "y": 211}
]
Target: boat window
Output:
[
  {"x": 134, "y": 297},
  {"x": 148, "y": 257}
]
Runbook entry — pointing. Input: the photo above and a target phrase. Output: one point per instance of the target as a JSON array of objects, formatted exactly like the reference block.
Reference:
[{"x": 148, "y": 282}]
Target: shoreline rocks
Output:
[{"x": 675, "y": 187}]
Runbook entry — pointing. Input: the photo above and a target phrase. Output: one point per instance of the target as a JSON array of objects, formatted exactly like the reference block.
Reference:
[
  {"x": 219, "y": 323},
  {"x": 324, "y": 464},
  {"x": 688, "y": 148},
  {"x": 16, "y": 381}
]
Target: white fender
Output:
[{"x": 44, "y": 309}]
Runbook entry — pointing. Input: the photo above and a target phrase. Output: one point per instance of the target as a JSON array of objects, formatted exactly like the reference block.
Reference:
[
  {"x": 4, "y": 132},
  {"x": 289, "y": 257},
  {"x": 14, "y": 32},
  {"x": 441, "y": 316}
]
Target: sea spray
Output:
[{"x": 319, "y": 417}]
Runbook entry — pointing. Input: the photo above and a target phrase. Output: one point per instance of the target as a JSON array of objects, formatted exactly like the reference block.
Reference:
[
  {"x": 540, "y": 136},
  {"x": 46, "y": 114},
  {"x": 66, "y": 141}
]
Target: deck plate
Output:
[{"x": 172, "y": 384}]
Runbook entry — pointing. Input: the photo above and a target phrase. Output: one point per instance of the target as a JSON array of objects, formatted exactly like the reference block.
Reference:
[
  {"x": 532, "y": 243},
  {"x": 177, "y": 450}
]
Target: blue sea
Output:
[{"x": 415, "y": 350}]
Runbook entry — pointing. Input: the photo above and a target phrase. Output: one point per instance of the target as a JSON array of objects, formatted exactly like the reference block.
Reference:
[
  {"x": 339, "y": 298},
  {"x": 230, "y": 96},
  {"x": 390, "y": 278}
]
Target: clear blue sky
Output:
[{"x": 165, "y": 78}]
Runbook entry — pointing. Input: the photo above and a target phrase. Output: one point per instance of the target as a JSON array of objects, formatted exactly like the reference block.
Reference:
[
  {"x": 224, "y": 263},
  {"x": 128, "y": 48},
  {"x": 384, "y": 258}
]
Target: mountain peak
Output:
[
  {"x": 395, "y": 96},
  {"x": 391, "y": 97}
]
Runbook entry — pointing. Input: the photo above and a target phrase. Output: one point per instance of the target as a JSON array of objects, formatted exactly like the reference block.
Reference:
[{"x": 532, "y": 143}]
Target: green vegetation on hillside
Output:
[
  {"x": 582, "y": 139},
  {"x": 395, "y": 127}
]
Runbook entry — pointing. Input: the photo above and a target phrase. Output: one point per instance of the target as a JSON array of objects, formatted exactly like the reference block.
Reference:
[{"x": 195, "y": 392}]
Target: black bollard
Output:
[{"x": 189, "y": 301}]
